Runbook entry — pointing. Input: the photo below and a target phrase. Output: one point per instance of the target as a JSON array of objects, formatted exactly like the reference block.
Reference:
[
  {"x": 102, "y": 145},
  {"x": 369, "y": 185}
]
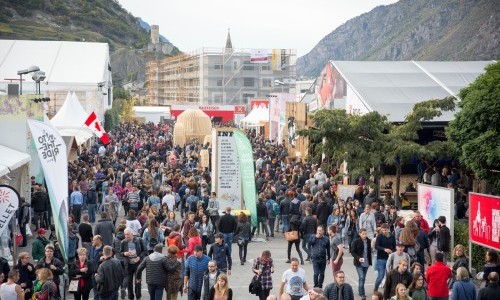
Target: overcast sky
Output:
[{"x": 267, "y": 24}]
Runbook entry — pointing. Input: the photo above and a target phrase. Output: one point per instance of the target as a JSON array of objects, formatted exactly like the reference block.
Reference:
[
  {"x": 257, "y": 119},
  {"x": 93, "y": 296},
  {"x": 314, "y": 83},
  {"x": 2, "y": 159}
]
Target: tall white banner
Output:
[
  {"x": 228, "y": 171},
  {"x": 53, "y": 156},
  {"x": 9, "y": 203}
]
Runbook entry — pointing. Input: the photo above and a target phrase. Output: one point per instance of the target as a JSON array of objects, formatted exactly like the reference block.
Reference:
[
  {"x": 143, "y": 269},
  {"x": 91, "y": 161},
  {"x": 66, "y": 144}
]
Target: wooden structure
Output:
[
  {"x": 192, "y": 124},
  {"x": 296, "y": 119}
]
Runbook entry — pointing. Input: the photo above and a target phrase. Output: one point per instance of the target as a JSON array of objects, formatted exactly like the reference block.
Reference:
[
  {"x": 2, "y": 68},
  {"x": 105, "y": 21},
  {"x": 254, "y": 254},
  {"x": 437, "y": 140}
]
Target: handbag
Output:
[
  {"x": 292, "y": 236},
  {"x": 241, "y": 241},
  {"x": 210, "y": 238},
  {"x": 255, "y": 286},
  {"x": 73, "y": 286}
]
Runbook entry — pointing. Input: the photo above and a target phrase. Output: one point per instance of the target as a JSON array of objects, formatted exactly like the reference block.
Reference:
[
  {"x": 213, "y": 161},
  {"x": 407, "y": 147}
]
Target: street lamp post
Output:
[{"x": 30, "y": 69}]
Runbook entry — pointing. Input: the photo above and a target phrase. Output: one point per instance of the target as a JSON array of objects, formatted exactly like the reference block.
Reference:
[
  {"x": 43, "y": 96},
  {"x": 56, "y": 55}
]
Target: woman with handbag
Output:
[
  {"x": 243, "y": 234},
  {"x": 351, "y": 230},
  {"x": 293, "y": 237},
  {"x": 263, "y": 269},
  {"x": 81, "y": 276},
  {"x": 47, "y": 289},
  {"x": 463, "y": 288}
]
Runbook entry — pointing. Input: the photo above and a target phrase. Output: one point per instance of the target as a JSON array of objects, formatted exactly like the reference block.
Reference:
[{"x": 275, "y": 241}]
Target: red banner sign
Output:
[{"x": 484, "y": 220}]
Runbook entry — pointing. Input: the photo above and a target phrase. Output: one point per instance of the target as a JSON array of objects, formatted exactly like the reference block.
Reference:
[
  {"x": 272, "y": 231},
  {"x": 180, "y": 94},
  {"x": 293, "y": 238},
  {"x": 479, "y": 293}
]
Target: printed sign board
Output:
[{"x": 484, "y": 220}]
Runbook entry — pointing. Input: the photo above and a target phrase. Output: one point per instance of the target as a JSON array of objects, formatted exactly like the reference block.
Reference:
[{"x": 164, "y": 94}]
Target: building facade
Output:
[{"x": 220, "y": 76}]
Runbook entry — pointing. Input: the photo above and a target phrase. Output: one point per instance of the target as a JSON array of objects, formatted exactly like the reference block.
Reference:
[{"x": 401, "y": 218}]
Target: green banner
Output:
[{"x": 245, "y": 158}]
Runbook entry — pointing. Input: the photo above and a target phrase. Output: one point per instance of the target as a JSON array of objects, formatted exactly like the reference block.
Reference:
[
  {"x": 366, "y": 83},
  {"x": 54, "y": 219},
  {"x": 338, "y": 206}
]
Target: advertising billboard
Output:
[
  {"x": 484, "y": 220},
  {"x": 436, "y": 201}
]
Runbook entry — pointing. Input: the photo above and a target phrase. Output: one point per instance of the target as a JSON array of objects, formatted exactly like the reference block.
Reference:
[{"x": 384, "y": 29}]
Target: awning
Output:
[{"x": 11, "y": 159}]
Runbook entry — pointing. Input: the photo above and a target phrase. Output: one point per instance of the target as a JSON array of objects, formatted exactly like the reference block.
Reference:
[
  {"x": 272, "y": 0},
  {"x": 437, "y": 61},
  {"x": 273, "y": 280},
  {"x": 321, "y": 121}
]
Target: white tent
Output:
[
  {"x": 257, "y": 115},
  {"x": 11, "y": 159},
  {"x": 70, "y": 119}
]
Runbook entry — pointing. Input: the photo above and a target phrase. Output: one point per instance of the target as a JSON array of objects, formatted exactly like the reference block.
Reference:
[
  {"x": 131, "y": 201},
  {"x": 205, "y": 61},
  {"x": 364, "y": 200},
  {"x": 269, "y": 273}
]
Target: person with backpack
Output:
[
  {"x": 152, "y": 235},
  {"x": 274, "y": 210},
  {"x": 395, "y": 257},
  {"x": 262, "y": 215},
  {"x": 175, "y": 239},
  {"x": 133, "y": 249}
]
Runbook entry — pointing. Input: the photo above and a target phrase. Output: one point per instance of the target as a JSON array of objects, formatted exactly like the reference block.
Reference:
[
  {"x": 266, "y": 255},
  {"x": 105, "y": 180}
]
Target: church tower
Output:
[{"x": 229, "y": 44}]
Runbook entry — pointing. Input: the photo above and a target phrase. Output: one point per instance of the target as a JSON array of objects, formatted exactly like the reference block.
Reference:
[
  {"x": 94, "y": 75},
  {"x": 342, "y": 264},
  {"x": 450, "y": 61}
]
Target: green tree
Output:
[{"x": 475, "y": 129}]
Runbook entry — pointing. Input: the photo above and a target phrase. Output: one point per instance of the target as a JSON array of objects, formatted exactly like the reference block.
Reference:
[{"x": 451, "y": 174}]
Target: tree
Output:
[
  {"x": 127, "y": 113},
  {"x": 475, "y": 129}
]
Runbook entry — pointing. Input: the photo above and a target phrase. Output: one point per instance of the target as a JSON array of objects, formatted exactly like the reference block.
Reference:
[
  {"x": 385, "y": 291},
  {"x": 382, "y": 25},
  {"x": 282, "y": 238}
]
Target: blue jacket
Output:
[
  {"x": 195, "y": 269},
  {"x": 219, "y": 253},
  {"x": 463, "y": 289},
  {"x": 320, "y": 247}
]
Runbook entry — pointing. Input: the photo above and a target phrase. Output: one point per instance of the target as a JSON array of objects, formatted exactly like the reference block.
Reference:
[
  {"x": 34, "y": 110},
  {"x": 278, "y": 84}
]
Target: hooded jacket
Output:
[
  {"x": 157, "y": 267},
  {"x": 175, "y": 239},
  {"x": 105, "y": 228}
]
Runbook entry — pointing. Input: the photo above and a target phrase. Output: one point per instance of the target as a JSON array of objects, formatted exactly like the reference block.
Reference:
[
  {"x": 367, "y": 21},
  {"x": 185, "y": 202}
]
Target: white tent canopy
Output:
[
  {"x": 257, "y": 115},
  {"x": 11, "y": 159},
  {"x": 70, "y": 119}
]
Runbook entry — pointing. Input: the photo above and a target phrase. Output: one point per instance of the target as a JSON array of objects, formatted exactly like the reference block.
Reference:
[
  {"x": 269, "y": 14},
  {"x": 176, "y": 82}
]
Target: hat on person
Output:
[
  {"x": 399, "y": 243},
  {"x": 41, "y": 231}
]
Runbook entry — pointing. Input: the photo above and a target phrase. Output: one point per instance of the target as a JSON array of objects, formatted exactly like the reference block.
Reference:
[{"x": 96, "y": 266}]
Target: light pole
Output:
[
  {"x": 37, "y": 77},
  {"x": 30, "y": 69}
]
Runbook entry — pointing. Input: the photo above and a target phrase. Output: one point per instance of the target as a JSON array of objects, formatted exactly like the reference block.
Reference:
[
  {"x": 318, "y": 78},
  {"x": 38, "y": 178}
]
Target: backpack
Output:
[
  {"x": 273, "y": 207},
  {"x": 412, "y": 252},
  {"x": 153, "y": 242},
  {"x": 172, "y": 241}
]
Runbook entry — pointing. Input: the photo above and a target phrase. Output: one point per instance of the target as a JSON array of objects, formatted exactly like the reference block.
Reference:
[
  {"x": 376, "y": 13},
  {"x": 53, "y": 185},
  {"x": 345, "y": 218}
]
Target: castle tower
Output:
[{"x": 155, "y": 34}]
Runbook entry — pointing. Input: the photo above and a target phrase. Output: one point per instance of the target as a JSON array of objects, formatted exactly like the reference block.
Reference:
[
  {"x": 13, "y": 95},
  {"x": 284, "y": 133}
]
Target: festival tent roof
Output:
[
  {"x": 256, "y": 116},
  {"x": 11, "y": 159},
  {"x": 70, "y": 119}
]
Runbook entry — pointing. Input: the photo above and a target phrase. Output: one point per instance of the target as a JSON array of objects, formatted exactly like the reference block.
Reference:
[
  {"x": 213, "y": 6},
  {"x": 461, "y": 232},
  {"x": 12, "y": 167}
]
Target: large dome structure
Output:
[{"x": 192, "y": 124}]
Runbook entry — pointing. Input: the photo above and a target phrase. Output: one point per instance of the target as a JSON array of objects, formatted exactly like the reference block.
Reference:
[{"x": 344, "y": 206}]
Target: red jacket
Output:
[
  {"x": 437, "y": 276},
  {"x": 423, "y": 225}
]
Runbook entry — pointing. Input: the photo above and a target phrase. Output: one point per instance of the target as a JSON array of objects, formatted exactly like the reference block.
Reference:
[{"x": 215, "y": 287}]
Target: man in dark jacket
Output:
[
  {"x": 285, "y": 212},
  {"x": 308, "y": 229},
  {"x": 53, "y": 264},
  {"x": 40, "y": 204},
  {"x": 491, "y": 290},
  {"x": 320, "y": 254},
  {"x": 444, "y": 237},
  {"x": 262, "y": 216},
  {"x": 339, "y": 289},
  {"x": 361, "y": 251},
  {"x": 385, "y": 244},
  {"x": 220, "y": 253},
  {"x": 396, "y": 276},
  {"x": 227, "y": 226},
  {"x": 109, "y": 276},
  {"x": 95, "y": 258},
  {"x": 133, "y": 249},
  {"x": 196, "y": 266},
  {"x": 157, "y": 267},
  {"x": 209, "y": 279},
  {"x": 105, "y": 228}
]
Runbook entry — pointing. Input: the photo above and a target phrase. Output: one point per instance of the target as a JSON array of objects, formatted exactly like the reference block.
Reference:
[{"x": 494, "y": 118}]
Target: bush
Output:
[
  {"x": 111, "y": 119},
  {"x": 478, "y": 252}
]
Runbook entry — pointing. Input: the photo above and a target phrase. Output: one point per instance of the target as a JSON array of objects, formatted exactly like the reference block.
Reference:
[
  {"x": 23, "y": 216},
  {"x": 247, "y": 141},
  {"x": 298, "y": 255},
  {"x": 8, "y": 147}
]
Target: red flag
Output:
[{"x": 93, "y": 123}]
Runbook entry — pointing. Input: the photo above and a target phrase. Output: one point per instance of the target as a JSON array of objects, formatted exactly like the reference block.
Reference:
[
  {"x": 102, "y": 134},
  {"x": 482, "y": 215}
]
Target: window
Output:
[
  {"x": 235, "y": 64},
  {"x": 248, "y": 68},
  {"x": 266, "y": 68},
  {"x": 235, "y": 82},
  {"x": 266, "y": 82},
  {"x": 248, "y": 81},
  {"x": 217, "y": 67},
  {"x": 219, "y": 82}
]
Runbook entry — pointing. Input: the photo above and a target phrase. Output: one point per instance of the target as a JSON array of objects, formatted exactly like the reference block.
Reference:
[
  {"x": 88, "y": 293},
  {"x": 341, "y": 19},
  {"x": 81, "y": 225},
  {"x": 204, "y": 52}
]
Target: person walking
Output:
[
  {"x": 26, "y": 274},
  {"x": 10, "y": 290},
  {"x": 336, "y": 248},
  {"x": 157, "y": 269},
  {"x": 308, "y": 229},
  {"x": 339, "y": 289},
  {"x": 396, "y": 276},
  {"x": 262, "y": 216},
  {"x": 221, "y": 289},
  {"x": 385, "y": 244},
  {"x": 196, "y": 266},
  {"x": 133, "y": 249},
  {"x": 418, "y": 290},
  {"x": 437, "y": 277},
  {"x": 46, "y": 288},
  {"x": 463, "y": 288},
  {"x": 400, "y": 293},
  {"x": 109, "y": 276},
  {"x": 213, "y": 210},
  {"x": 152, "y": 235},
  {"x": 227, "y": 226},
  {"x": 367, "y": 221},
  {"x": 54, "y": 265},
  {"x": 243, "y": 232},
  {"x": 95, "y": 258},
  {"x": 106, "y": 229},
  {"x": 38, "y": 246},
  {"x": 80, "y": 270},
  {"x": 174, "y": 279},
  {"x": 76, "y": 202},
  {"x": 492, "y": 289},
  {"x": 320, "y": 255},
  {"x": 209, "y": 279},
  {"x": 295, "y": 226},
  {"x": 220, "y": 253},
  {"x": 395, "y": 257},
  {"x": 443, "y": 238},
  {"x": 293, "y": 281},
  {"x": 85, "y": 230},
  {"x": 92, "y": 201},
  {"x": 362, "y": 254},
  {"x": 263, "y": 268}
]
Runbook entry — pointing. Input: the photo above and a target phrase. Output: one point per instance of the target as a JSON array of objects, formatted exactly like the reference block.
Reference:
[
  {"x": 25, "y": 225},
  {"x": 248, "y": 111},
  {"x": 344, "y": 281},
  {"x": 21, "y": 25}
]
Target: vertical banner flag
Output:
[
  {"x": 93, "y": 123},
  {"x": 258, "y": 56},
  {"x": 53, "y": 156},
  {"x": 245, "y": 157},
  {"x": 484, "y": 220},
  {"x": 9, "y": 203}
]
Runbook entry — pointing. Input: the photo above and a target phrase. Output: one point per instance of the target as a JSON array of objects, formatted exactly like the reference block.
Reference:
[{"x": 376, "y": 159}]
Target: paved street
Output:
[{"x": 242, "y": 275}]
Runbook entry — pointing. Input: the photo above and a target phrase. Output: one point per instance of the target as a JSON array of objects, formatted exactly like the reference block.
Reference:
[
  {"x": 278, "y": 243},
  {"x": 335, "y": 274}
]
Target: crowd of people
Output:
[{"x": 158, "y": 214}]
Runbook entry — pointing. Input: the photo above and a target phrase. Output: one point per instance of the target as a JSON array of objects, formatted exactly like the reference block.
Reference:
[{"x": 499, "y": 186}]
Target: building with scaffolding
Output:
[{"x": 220, "y": 76}]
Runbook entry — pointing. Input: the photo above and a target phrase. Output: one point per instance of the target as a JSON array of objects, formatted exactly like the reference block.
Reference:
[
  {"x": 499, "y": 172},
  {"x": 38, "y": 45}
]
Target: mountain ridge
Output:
[{"x": 412, "y": 30}]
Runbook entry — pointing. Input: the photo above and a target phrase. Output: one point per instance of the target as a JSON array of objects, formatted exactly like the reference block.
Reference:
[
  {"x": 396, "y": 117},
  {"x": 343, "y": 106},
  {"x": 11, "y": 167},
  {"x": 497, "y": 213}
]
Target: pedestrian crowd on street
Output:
[{"x": 141, "y": 182}]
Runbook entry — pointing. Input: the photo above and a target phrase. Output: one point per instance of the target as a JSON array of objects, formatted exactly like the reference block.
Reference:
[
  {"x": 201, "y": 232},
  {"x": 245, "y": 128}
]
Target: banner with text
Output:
[
  {"x": 227, "y": 171},
  {"x": 9, "y": 203},
  {"x": 246, "y": 162},
  {"x": 484, "y": 220},
  {"x": 53, "y": 156}
]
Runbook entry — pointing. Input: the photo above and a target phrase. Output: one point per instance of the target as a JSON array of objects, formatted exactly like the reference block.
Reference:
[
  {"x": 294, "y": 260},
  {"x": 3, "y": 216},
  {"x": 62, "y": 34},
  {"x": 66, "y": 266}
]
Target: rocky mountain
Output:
[
  {"x": 83, "y": 20},
  {"x": 412, "y": 30}
]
